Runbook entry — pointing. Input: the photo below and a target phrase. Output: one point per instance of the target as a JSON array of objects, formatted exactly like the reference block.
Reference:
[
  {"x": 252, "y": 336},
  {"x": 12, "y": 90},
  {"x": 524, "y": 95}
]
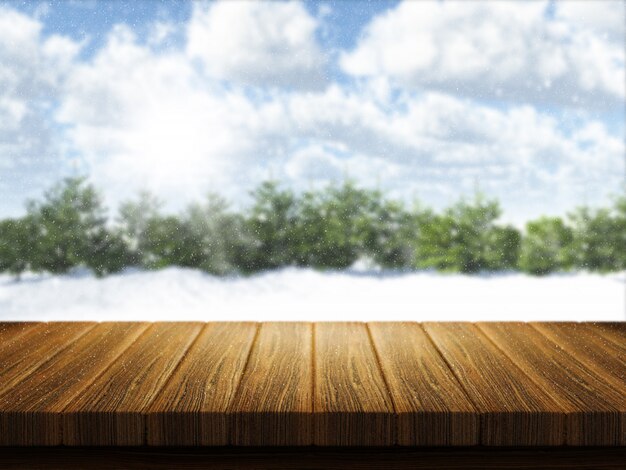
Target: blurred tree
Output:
[
  {"x": 333, "y": 226},
  {"x": 108, "y": 252},
  {"x": 223, "y": 235},
  {"x": 546, "y": 247},
  {"x": 620, "y": 239},
  {"x": 462, "y": 238},
  {"x": 328, "y": 228},
  {"x": 17, "y": 237},
  {"x": 71, "y": 229},
  {"x": 169, "y": 241},
  {"x": 503, "y": 248},
  {"x": 389, "y": 233},
  {"x": 435, "y": 246},
  {"x": 597, "y": 242},
  {"x": 271, "y": 222},
  {"x": 133, "y": 219}
]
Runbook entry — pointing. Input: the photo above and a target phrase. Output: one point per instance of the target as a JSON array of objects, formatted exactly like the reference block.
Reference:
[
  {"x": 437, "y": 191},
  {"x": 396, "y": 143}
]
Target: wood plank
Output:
[
  {"x": 314, "y": 458},
  {"x": 591, "y": 349},
  {"x": 192, "y": 407},
  {"x": 351, "y": 402},
  {"x": 12, "y": 331},
  {"x": 30, "y": 412},
  {"x": 273, "y": 404},
  {"x": 593, "y": 408},
  {"x": 330, "y": 384},
  {"x": 513, "y": 410},
  {"x": 613, "y": 331},
  {"x": 432, "y": 408},
  {"x": 111, "y": 410},
  {"x": 20, "y": 358}
]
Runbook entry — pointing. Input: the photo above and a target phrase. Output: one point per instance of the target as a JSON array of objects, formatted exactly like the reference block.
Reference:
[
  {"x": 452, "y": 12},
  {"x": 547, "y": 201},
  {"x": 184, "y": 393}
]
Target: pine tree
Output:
[
  {"x": 333, "y": 226},
  {"x": 620, "y": 227},
  {"x": 503, "y": 250},
  {"x": 17, "y": 237},
  {"x": 71, "y": 230},
  {"x": 597, "y": 242},
  {"x": 546, "y": 246},
  {"x": 390, "y": 236},
  {"x": 224, "y": 238},
  {"x": 270, "y": 222},
  {"x": 133, "y": 220},
  {"x": 462, "y": 238}
]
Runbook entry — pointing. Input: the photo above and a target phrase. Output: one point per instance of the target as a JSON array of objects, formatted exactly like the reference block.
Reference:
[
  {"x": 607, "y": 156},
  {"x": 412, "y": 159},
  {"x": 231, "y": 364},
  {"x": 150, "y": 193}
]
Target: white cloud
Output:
[
  {"x": 317, "y": 165},
  {"x": 149, "y": 119},
  {"x": 140, "y": 116},
  {"x": 438, "y": 147},
  {"x": 31, "y": 71},
  {"x": 498, "y": 50},
  {"x": 315, "y": 162},
  {"x": 603, "y": 17},
  {"x": 257, "y": 43},
  {"x": 144, "y": 119},
  {"x": 160, "y": 32}
]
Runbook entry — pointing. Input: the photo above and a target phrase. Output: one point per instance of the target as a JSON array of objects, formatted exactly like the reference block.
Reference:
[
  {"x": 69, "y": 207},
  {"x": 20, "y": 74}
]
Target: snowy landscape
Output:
[
  {"x": 292, "y": 294},
  {"x": 228, "y": 160}
]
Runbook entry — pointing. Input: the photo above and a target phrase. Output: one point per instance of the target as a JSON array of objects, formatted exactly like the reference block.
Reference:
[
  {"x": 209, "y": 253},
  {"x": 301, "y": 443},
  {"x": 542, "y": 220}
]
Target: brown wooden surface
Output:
[
  {"x": 111, "y": 410},
  {"x": 21, "y": 357},
  {"x": 192, "y": 408},
  {"x": 613, "y": 331},
  {"x": 583, "y": 342},
  {"x": 594, "y": 408},
  {"x": 314, "y": 458},
  {"x": 431, "y": 405},
  {"x": 513, "y": 409},
  {"x": 328, "y": 384},
  {"x": 274, "y": 401},
  {"x": 35, "y": 418},
  {"x": 11, "y": 332},
  {"x": 352, "y": 404}
]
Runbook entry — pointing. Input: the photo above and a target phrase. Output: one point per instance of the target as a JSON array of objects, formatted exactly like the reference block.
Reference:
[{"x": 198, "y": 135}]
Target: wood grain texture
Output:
[
  {"x": 30, "y": 417},
  {"x": 513, "y": 409},
  {"x": 589, "y": 348},
  {"x": 112, "y": 410},
  {"x": 605, "y": 359},
  {"x": 327, "y": 384},
  {"x": 432, "y": 408},
  {"x": 613, "y": 331},
  {"x": 592, "y": 407},
  {"x": 21, "y": 357},
  {"x": 351, "y": 402},
  {"x": 273, "y": 405},
  {"x": 11, "y": 332},
  {"x": 191, "y": 409}
]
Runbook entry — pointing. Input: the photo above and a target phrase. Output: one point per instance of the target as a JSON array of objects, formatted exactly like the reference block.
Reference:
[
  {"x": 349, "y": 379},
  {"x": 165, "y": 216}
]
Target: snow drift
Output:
[{"x": 302, "y": 294}]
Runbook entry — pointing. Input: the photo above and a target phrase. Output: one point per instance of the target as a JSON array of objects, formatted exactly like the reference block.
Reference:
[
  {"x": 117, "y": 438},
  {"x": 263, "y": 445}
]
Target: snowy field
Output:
[{"x": 303, "y": 294}]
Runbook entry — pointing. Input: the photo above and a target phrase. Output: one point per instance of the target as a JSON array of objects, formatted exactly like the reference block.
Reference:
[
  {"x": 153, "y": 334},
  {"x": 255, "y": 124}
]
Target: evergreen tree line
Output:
[{"x": 325, "y": 229}]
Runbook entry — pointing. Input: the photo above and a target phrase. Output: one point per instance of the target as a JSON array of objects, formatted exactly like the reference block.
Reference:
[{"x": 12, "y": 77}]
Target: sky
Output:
[{"x": 425, "y": 100}]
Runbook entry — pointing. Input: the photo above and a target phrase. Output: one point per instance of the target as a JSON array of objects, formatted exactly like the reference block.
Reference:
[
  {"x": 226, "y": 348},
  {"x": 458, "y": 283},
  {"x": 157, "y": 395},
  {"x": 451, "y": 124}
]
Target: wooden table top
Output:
[{"x": 301, "y": 384}]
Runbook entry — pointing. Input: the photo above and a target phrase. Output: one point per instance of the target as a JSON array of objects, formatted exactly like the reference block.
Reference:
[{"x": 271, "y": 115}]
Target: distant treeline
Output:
[{"x": 325, "y": 229}]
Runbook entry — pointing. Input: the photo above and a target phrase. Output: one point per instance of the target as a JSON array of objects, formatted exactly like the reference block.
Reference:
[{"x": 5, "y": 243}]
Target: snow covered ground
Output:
[{"x": 304, "y": 294}]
